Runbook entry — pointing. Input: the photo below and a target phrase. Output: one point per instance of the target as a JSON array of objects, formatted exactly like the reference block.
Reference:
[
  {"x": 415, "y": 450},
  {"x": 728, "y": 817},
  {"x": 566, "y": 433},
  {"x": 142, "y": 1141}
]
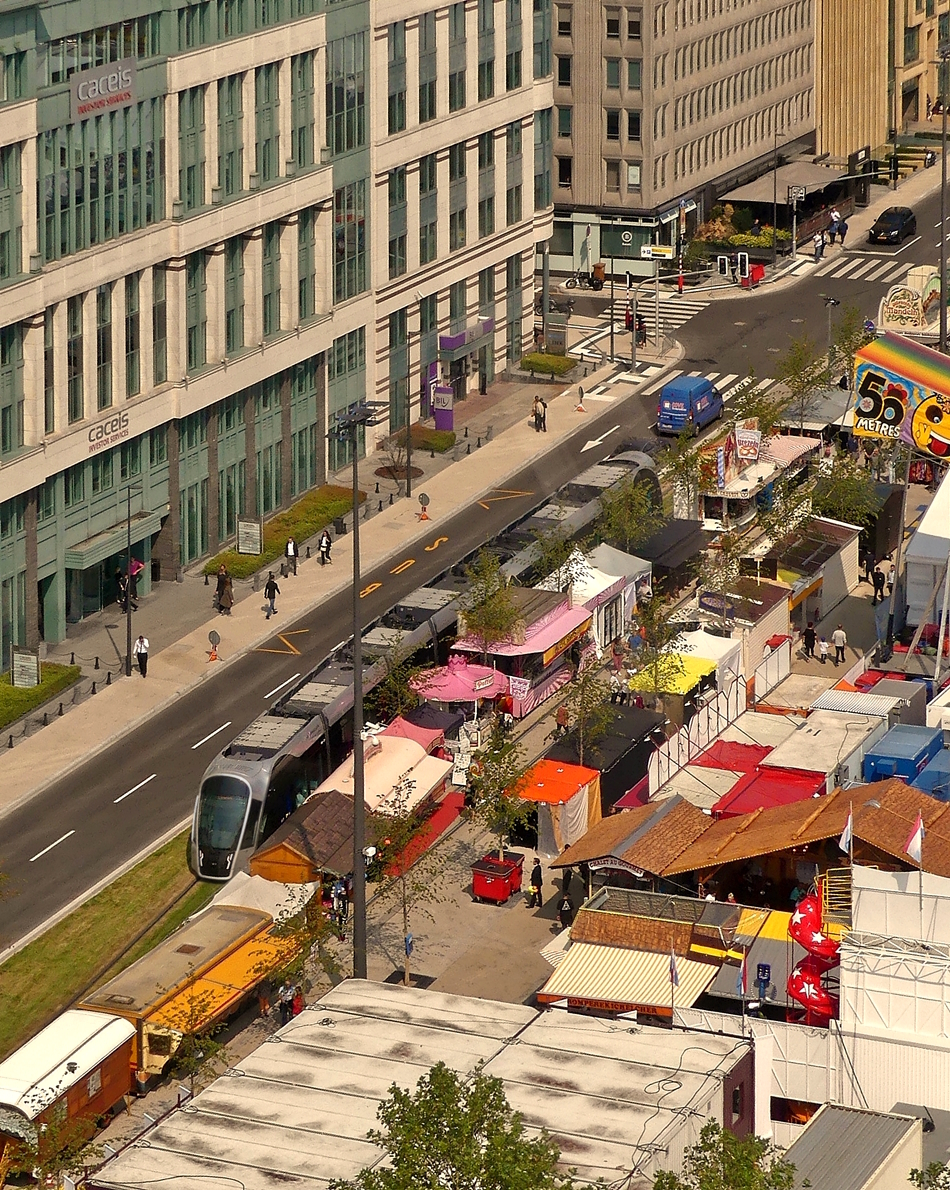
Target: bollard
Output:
[
  {"x": 308, "y": 551},
  {"x": 380, "y": 509},
  {"x": 109, "y": 678},
  {"x": 390, "y": 499},
  {"x": 10, "y": 742},
  {"x": 478, "y": 443},
  {"x": 46, "y": 718},
  {"x": 466, "y": 431},
  {"x": 60, "y": 711},
  {"x": 93, "y": 690},
  {"x": 468, "y": 449},
  {"x": 72, "y": 658},
  {"x": 96, "y": 666},
  {"x": 206, "y": 580},
  {"x": 431, "y": 454},
  {"x": 377, "y": 487}
]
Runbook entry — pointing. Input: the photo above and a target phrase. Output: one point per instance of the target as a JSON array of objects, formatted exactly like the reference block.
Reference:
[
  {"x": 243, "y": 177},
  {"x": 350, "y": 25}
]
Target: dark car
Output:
[{"x": 893, "y": 226}]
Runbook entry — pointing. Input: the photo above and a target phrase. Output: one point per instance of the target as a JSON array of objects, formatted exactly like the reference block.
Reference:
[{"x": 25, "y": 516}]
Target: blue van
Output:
[{"x": 687, "y": 403}]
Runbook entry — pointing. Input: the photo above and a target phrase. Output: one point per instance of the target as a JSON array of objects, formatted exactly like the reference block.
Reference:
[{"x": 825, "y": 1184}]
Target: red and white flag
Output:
[
  {"x": 915, "y": 840},
  {"x": 847, "y": 835}
]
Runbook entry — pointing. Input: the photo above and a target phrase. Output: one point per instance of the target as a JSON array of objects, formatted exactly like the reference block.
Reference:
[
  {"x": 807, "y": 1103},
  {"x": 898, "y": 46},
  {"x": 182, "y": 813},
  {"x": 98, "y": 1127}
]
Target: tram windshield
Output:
[{"x": 221, "y": 812}]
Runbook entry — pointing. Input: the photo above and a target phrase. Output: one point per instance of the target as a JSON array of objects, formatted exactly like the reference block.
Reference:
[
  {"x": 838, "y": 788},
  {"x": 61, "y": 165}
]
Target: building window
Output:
[
  {"x": 634, "y": 21},
  {"x": 270, "y": 279},
  {"x": 633, "y": 175},
  {"x": 301, "y": 100},
  {"x": 512, "y": 70},
  {"x": 346, "y": 93},
  {"x": 543, "y": 163},
  {"x": 486, "y": 80},
  {"x": 612, "y": 18},
  {"x": 634, "y": 73},
  {"x": 564, "y": 115},
  {"x": 196, "y": 317},
  {"x": 11, "y": 259},
  {"x": 911, "y": 44},
  {"x": 306, "y": 264},
  {"x": 613, "y": 125},
  {"x": 159, "y": 326},
  {"x": 397, "y": 222},
  {"x": 486, "y": 292},
  {"x": 49, "y": 372},
  {"x": 428, "y": 242},
  {"x": 233, "y": 295},
  {"x": 458, "y": 311},
  {"x": 101, "y": 473},
  {"x": 11, "y": 389},
  {"x": 429, "y": 314},
  {"x": 266, "y": 110},
  {"x": 564, "y": 20},
  {"x": 563, "y": 70},
  {"x": 133, "y": 336},
  {"x": 103, "y": 346},
  {"x": 486, "y": 217},
  {"x": 456, "y": 23},
  {"x": 191, "y": 148},
  {"x": 633, "y": 125},
  {"x": 457, "y": 230},
  {"x": 232, "y": 17},
  {"x": 231, "y": 135},
  {"x": 541, "y": 18},
  {"x": 486, "y": 150},
  {"x": 158, "y": 446},
  {"x": 130, "y": 459},
  {"x": 427, "y": 67},
  {"x": 74, "y": 485},
  {"x": 46, "y": 500},
  {"x": 74, "y": 394},
  {"x": 396, "y": 38},
  {"x": 349, "y": 221},
  {"x": 64, "y": 56},
  {"x": 193, "y": 25},
  {"x": 513, "y": 205},
  {"x": 12, "y": 76},
  {"x": 612, "y": 169},
  {"x": 397, "y": 256},
  {"x": 565, "y": 170},
  {"x": 513, "y": 140},
  {"x": 457, "y": 162},
  {"x": 613, "y": 73}
]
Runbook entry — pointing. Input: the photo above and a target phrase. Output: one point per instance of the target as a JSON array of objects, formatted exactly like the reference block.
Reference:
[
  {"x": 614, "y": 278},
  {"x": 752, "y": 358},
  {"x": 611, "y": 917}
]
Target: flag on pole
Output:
[
  {"x": 742, "y": 978},
  {"x": 674, "y": 974},
  {"x": 847, "y": 835},
  {"x": 915, "y": 839}
]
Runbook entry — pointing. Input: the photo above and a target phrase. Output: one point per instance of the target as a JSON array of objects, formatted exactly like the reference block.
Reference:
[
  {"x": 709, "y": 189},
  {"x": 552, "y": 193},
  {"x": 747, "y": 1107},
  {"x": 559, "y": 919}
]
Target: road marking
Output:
[
  {"x": 403, "y": 566},
  {"x": 503, "y": 494},
  {"x": 370, "y": 589},
  {"x": 843, "y": 272},
  {"x": 865, "y": 268},
  {"x": 435, "y": 545},
  {"x": 879, "y": 272},
  {"x": 599, "y": 441},
  {"x": 271, "y": 693},
  {"x": 826, "y": 268},
  {"x": 129, "y": 792},
  {"x": 61, "y": 839},
  {"x": 909, "y": 244},
  {"x": 291, "y": 649},
  {"x": 210, "y": 736},
  {"x": 647, "y": 392}
]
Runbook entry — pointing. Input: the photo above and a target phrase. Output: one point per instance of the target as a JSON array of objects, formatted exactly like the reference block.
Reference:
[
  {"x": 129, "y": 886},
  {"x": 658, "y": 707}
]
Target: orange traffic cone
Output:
[
  {"x": 579, "y": 407},
  {"x": 424, "y": 516},
  {"x": 213, "y": 655}
]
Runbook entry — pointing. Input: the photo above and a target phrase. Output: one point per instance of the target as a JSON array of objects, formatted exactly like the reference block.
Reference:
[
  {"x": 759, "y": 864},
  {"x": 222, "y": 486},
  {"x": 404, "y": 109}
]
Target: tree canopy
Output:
[
  {"x": 722, "y": 1161},
  {"x": 488, "y": 608},
  {"x": 631, "y": 511},
  {"x": 589, "y": 713},
  {"x": 499, "y": 776},
  {"x": 846, "y": 492},
  {"x": 457, "y": 1133},
  {"x": 804, "y": 372}
]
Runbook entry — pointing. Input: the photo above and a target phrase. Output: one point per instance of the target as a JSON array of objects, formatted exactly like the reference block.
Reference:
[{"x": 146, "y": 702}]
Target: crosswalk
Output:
[
  {"x": 642, "y": 377},
  {"x": 855, "y": 268},
  {"x": 675, "y": 311}
]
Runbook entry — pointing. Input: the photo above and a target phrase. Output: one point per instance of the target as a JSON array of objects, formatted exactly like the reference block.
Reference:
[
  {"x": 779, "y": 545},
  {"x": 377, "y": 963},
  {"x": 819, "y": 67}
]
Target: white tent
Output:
[
  {"x": 727, "y": 653},
  {"x": 637, "y": 571},
  {"x": 927, "y": 555}
]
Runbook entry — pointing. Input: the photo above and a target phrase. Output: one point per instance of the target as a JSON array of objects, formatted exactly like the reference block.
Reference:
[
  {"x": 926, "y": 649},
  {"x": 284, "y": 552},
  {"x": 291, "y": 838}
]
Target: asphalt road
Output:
[{"x": 79, "y": 830}]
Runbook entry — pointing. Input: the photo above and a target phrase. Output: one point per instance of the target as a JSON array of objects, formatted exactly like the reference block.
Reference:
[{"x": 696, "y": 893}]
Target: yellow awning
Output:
[
  {"x": 679, "y": 675},
  {"x": 614, "y": 977}
]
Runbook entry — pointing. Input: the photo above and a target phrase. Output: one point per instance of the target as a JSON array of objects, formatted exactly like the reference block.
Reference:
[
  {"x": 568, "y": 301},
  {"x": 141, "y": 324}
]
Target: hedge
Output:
[
  {"x": 16, "y": 701},
  {"x": 549, "y": 365},
  {"x": 426, "y": 438},
  {"x": 308, "y": 516}
]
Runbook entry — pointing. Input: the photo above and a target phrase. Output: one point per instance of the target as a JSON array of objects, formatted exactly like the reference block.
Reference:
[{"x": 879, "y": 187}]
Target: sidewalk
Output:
[{"x": 182, "y": 615}]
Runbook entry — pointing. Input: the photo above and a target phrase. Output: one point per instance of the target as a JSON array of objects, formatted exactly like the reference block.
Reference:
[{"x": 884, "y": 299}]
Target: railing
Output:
[{"x": 836, "y": 902}]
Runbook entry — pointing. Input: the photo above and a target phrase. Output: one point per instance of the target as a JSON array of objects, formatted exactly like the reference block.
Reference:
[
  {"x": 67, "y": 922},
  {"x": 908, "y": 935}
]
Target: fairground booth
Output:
[{"x": 568, "y": 801}]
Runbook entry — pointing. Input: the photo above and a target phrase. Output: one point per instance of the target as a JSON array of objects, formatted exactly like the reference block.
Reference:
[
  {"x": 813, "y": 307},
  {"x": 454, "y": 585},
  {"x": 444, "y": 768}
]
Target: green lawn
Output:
[
  {"x": 18, "y": 700},
  {"x": 49, "y": 974},
  {"x": 427, "y": 438},
  {"x": 547, "y": 365}
]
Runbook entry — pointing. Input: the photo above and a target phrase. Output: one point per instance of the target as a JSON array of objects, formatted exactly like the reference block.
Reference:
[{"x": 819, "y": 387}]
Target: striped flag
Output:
[
  {"x": 742, "y": 977},
  {"x": 915, "y": 840},
  {"x": 674, "y": 974},
  {"x": 847, "y": 835}
]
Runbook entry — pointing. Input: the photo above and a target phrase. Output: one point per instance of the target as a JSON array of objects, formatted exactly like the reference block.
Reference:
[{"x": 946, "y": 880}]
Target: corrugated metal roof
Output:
[
  {"x": 856, "y": 702},
  {"x": 593, "y": 972},
  {"x": 867, "y": 1137}
]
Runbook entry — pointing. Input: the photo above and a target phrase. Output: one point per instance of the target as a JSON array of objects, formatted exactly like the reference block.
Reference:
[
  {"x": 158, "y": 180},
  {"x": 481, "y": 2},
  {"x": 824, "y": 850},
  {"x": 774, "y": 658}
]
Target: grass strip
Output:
[
  {"x": 548, "y": 365},
  {"x": 38, "y": 982},
  {"x": 16, "y": 701},
  {"x": 427, "y": 438}
]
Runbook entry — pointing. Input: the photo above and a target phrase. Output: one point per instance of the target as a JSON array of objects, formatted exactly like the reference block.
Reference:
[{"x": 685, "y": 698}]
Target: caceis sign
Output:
[
  {"x": 102, "y": 89},
  {"x": 107, "y": 433}
]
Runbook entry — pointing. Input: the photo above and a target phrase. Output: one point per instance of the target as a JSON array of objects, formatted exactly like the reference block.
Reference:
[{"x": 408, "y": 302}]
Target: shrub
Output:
[
  {"x": 761, "y": 241},
  {"x": 302, "y": 520},
  {"x": 16, "y": 701},
  {"x": 426, "y": 438},
  {"x": 717, "y": 211},
  {"x": 742, "y": 219},
  {"x": 548, "y": 365}
]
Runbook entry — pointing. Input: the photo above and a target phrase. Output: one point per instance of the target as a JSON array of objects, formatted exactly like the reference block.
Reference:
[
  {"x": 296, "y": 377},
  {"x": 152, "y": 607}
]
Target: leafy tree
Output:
[
  {"x": 58, "y": 1146},
  {"x": 500, "y": 777},
  {"x": 935, "y": 1177},
  {"x": 791, "y": 504},
  {"x": 748, "y": 401},
  {"x": 804, "y": 372},
  {"x": 847, "y": 337},
  {"x": 846, "y": 492},
  {"x": 489, "y": 610},
  {"x": 658, "y": 656},
  {"x": 410, "y": 881},
  {"x": 719, "y": 569},
  {"x": 631, "y": 512},
  {"x": 393, "y": 694},
  {"x": 681, "y": 465},
  {"x": 459, "y": 1132},
  {"x": 559, "y": 556},
  {"x": 189, "y": 1018},
  {"x": 588, "y": 709},
  {"x": 722, "y": 1161},
  {"x": 309, "y": 934}
]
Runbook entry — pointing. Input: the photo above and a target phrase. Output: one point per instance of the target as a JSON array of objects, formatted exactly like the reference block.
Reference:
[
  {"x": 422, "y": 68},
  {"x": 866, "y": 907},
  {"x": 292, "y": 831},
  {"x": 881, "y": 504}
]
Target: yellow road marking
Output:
[
  {"x": 403, "y": 566},
  {"x": 435, "y": 545},
  {"x": 504, "y": 494},
  {"x": 370, "y": 589},
  {"x": 291, "y": 650}
]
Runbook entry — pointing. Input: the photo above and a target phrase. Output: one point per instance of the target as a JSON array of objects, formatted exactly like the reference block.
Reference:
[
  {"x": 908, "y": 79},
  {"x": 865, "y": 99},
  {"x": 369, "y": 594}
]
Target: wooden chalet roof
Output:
[{"x": 649, "y": 837}]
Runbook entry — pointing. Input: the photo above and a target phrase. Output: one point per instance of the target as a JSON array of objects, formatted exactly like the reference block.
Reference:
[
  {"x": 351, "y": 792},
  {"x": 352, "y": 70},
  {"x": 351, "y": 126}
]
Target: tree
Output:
[
  {"x": 631, "y": 511},
  {"x": 489, "y": 610},
  {"x": 719, "y": 570},
  {"x": 935, "y": 1177},
  {"x": 847, "y": 337},
  {"x": 309, "y": 935},
  {"x": 846, "y": 492},
  {"x": 804, "y": 372},
  {"x": 393, "y": 694},
  {"x": 456, "y": 1131},
  {"x": 199, "y": 1056},
  {"x": 748, "y": 402},
  {"x": 722, "y": 1161},
  {"x": 57, "y": 1146},
  {"x": 791, "y": 504},
  {"x": 498, "y": 781},
  {"x": 658, "y": 656},
  {"x": 557, "y": 555},
  {"x": 588, "y": 710},
  {"x": 681, "y": 464},
  {"x": 412, "y": 878}
]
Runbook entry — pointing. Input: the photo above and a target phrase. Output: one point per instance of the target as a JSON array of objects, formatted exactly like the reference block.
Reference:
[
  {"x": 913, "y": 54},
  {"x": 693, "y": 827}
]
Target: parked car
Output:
[{"x": 893, "y": 226}]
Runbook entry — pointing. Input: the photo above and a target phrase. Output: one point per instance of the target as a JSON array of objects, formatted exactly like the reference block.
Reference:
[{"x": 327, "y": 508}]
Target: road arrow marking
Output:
[
  {"x": 503, "y": 494},
  {"x": 598, "y": 441}
]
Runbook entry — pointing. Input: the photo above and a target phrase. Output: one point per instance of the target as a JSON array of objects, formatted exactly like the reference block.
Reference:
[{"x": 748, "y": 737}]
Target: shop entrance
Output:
[{"x": 89, "y": 591}]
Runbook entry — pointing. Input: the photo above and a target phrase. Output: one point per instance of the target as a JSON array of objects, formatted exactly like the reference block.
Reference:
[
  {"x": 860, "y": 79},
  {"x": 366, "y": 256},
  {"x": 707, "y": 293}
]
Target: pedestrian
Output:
[
  {"x": 822, "y": 650},
  {"x": 324, "y": 545},
  {"x": 877, "y": 578},
  {"x": 616, "y": 688},
  {"x": 930, "y": 108},
  {"x": 889, "y": 579},
  {"x": 220, "y": 583},
  {"x": 140, "y": 649},
  {"x": 536, "y": 412},
  {"x": 285, "y": 1001},
  {"x": 134, "y": 590},
  {"x": 562, "y": 721},
  {"x": 835, "y": 215},
  {"x": 123, "y": 585},
  {"x": 271, "y": 591},
  {"x": 819, "y": 242},
  {"x": 565, "y": 912},
  {"x": 567, "y": 879},
  {"x": 617, "y": 653},
  {"x": 297, "y": 1002},
  {"x": 226, "y": 599},
  {"x": 842, "y": 231},
  {"x": 544, "y": 416},
  {"x": 265, "y": 989},
  {"x": 535, "y": 886},
  {"x": 869, "y": 566},
  {"x": 832, "y": 231},
  {"x": 731, "y": 899},
  {"x": 839, "y": 638},
  {"x": 756, "y": 229},
  {"x": 641, "y": 331},
  {"x": 808, "y": 639},
  {"x": 290, "y": 553}
]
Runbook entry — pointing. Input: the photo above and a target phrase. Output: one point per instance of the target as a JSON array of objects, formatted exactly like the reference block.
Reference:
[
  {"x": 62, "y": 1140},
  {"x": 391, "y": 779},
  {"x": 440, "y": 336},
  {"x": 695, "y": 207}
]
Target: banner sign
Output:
[
  {"x": 902, "y": 393},
  {"x": 102, "y": 89},
  {"x": 250, "y": 537},
  {"x": 519, "y": 688}
]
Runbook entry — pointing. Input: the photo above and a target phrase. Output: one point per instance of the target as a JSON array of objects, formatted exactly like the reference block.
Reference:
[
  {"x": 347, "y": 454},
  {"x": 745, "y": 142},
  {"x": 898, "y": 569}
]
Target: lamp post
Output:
[
  {"x": 347, "y": 427},
  {"x": 943, "y": 50},
  {"x": 128, "y": 576}
]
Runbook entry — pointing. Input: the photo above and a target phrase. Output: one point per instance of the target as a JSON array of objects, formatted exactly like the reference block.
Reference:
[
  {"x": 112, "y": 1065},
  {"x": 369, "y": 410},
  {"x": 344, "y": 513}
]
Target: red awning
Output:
[
  {"x": 733, "y": 756},
  {"x": 767, "y": 788}
]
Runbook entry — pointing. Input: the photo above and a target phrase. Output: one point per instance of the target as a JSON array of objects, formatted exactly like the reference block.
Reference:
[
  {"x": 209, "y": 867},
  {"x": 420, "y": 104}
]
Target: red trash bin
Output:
[{"x": 495, "y": 879}]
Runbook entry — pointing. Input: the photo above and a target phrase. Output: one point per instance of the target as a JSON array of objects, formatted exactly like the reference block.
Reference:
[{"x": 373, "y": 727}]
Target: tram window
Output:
[{"x": 250, "y": 831}]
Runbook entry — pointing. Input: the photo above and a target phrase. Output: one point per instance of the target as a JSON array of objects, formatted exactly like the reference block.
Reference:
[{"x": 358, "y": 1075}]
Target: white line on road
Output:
[
  {"x": 909, "y": 244},
  {"x": 865, "y": 268},
  {"x": 647, "y": 392},
  {"x": 61, "y": 839},
  {"x": 134, "y": 789},
  {"x": 880, "y": 271},
  {"x": 211, "y": 735},
  {"x": 271, "y": 693}
]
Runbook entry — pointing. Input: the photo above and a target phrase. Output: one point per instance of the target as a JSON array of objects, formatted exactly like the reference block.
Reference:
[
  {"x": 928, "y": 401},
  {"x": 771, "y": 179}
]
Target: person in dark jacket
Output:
[
  {"x": 535, "y": 885},
  {"x": 565, "y": 912},
  {"x": 809, "y": 637},
  {"x": 271, "y": 591}
]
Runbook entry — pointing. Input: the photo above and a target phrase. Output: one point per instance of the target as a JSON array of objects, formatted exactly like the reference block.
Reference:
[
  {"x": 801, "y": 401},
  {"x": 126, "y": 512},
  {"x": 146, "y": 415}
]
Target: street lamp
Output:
[
  {"x": 346, "y": 428},
  {"x": 943, "y": 51},
  {"x": 830, "y": 304},
  {"x": 128, "y": 576}
]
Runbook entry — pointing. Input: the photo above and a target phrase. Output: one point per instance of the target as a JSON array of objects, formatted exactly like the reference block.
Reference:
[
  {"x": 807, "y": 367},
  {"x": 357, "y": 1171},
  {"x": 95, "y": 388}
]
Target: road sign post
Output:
[
  {"x": 424, "y": 502},
  {"x": 796, "y": 194}
]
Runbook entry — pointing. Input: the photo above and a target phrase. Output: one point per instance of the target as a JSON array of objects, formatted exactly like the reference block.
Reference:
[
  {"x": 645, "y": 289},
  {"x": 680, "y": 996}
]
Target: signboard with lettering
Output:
[
  {"x": 107, "y": 433},
  {"x": 610, "y": 861},
  {"x": 748, "y": 441},
  {"x": 250, "y": 537},
  {"x": 657, "y": 251},
  {"x": 25, "y": 668},
  {"x": 902, "y": 393},
  {"x": 562, "y": 645},
  {"x": 519, "y": 688},
  {"x": 484, "y": 683},
  {"x": 103, "y": 89},
  {"x": 623, "y": 241}
]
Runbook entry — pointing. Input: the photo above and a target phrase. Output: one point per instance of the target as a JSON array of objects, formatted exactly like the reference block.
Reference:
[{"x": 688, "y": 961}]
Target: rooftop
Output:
[{"x": 868, "y": 1137}]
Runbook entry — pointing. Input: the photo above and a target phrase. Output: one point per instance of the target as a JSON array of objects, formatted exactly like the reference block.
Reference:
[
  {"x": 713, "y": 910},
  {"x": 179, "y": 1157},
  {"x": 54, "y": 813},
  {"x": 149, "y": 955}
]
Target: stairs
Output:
[{"x": 836, "y": 902}]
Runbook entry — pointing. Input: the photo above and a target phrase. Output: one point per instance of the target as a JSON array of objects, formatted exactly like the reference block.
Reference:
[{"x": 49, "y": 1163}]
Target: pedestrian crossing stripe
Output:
[
  {"x": 717, "y": 378},
  {"x": 884, "y": 272}
]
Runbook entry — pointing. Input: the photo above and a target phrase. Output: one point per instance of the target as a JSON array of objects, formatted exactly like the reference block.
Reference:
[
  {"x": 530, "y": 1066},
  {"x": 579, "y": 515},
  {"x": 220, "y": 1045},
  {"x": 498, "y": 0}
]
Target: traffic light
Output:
[
  {"x": 722, "y": 263},
  {"x": 743, "y": 264}
]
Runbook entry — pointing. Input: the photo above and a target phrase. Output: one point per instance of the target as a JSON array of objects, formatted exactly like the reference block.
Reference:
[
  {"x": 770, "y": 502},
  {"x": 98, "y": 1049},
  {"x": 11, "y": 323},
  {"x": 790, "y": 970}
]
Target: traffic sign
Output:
[
  {"x": 423, "y": 500},
  {"x": 213, "y": 639},
  {"x": 796, "y": 194},
  {"x": 656, "y": 251}
]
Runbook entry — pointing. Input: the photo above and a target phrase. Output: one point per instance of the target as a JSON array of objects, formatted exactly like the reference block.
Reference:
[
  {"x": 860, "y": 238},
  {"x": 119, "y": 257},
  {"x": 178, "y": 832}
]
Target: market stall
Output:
[{"x": 568, "y": 801}]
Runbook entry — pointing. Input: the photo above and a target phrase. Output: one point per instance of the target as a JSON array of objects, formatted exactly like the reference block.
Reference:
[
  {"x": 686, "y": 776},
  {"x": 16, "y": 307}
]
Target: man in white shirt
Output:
[
  {"x": 839, "y": 639},
  {"x": 140, "y": 649}
]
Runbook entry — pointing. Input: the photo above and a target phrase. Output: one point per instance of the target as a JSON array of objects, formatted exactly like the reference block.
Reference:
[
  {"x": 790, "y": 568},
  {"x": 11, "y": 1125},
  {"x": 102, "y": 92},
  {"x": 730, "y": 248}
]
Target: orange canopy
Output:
[{"x": 555, "y": 783}]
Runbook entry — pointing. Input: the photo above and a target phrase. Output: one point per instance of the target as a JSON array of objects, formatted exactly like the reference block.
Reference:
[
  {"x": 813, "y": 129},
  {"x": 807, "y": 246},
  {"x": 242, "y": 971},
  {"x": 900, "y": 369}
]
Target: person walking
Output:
[
  {"x": 889, "y": 580},
  {"x": 839, "y": 639},
  {"x": 265, "y": 989},
  {"x": 285, "y": 1001},
  {"x": 823, "y": 650},
  {"x": 819, "y": 242},
  {"x": 842, "y": 231},
  {"x": 220, "y": 582},
  {"x": 877, "y": 579},
  {"x": 565, "y": 912},
  {"x": 140, "y": 649},
  {"x": 536, "y": 413},
  {"x": 290, "y": 553},
  {"x": 544, "y": 416},
  {"x": 567, "y": 879},
  {"x": 297, "y": 1004},
  {"x": 226, "y": 599},
  {"x": 809, "y": 637},
  {"x": 535, "y": 886},
  {"x": 324, "y": 545},
  {"x": 271, "y": 591}
]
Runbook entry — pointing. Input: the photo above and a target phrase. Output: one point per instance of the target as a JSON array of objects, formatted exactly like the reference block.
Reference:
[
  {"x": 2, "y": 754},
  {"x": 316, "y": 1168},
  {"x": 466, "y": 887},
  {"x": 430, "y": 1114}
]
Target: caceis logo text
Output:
[
  {"x": 107, "y": 432},
  {"x": 110, "y": 86},
  {"x": 104, "y": 84}
]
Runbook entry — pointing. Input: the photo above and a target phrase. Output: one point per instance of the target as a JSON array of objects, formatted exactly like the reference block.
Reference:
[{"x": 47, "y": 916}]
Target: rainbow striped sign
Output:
[{"x": 902, "y": 393}]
